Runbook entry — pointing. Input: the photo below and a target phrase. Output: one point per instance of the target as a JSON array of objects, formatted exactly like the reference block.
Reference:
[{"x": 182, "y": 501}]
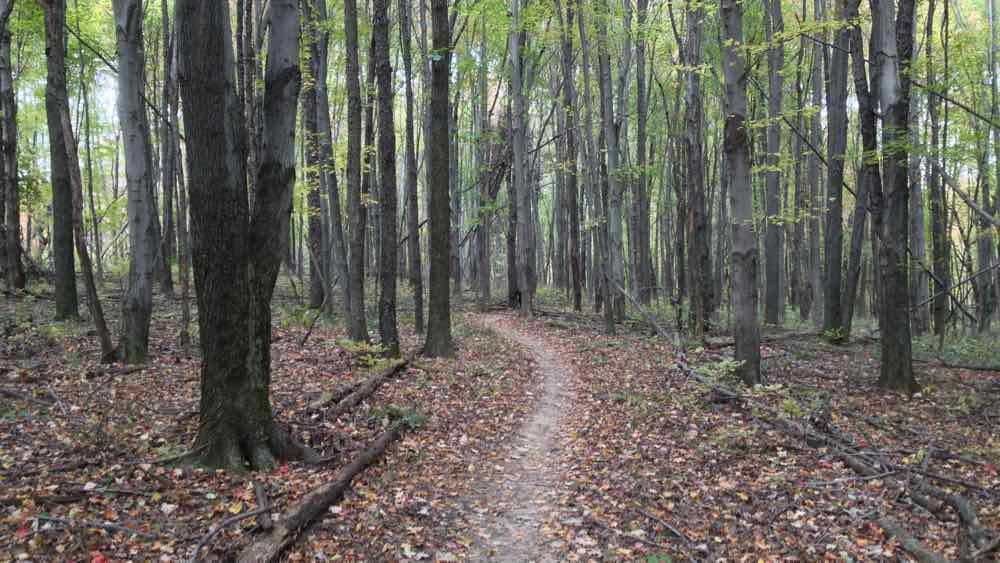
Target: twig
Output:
[
  {"x": 225, "y": 524},
  {"x": 814, "y": 484},
  {"x": 109, "y": 526}
]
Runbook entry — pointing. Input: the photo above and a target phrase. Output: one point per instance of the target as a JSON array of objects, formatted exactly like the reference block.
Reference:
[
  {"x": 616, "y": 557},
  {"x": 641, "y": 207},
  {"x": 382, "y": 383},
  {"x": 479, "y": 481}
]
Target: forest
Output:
[{"x": 499, "y": 280}]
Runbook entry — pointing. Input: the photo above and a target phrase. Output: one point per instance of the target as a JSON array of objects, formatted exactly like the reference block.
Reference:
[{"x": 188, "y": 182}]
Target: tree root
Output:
[{"x": 299, "y": 517}]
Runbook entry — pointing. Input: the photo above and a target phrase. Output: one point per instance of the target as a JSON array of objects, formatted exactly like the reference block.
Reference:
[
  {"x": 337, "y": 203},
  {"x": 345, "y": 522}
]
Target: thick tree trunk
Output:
[
  {"x": 387, "y": 174},
  {"x": 737, "y": 149},
  {"x": 67, "y": 305},
  {"x": 895, "y": 55},
  {"x": 137, "y": 306},
  {"x": 356, "y": 212},
  {"x": 412, "y": 201},
  {"x": 439, "y": 341},
  {"x": 10, "y": 188},
  {"x": 572, "y": 119},
  {"x": 236, "y": 256},
  {"x": 774, "y": 251}
]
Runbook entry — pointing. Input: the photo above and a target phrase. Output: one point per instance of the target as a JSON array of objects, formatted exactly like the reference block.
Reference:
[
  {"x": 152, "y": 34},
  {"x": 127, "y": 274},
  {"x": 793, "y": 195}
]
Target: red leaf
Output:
[
  {"x": 991, "y": 468},
  {"x": 21, "y": 532},
  {"x": 98, "y": 557}
]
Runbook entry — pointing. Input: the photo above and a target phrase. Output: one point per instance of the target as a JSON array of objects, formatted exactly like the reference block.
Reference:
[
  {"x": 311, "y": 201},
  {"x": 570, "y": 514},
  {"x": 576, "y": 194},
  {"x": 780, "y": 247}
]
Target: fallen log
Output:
[
  {"x": 368, "y": 388},
  {"x": 290, "y": 526}
]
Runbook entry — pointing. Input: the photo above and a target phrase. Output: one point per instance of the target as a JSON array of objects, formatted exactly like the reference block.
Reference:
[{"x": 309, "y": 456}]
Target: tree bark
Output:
[
  {"x": 237, "y": 252},
  {"x": 940, "y": 244},
  {"x": 137, "y": 306},
  {"x": 387, "y": 174},
  {"x": 699, "y": 265},
  {"x": 67, "y": 305},
  {"x": 168, "y": 243},
  {"x": 439, "y": 340},
  {"x": 615, "y": 263},
  {"x": 525, "y": 239},
  {"x": 746, "y": 332},
  {"x": 356, "y": 322},
  {"x": 833, "y": 321},
  {"x": 412, "y": 201},
  {"x": 774, "y": 252},
  {"x": 895, "y": 57},
  {"x": 10, "y": 188}
]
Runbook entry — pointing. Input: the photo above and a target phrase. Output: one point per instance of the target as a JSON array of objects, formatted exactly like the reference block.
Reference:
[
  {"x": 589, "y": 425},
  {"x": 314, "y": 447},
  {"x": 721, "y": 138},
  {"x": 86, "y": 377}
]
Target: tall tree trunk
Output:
[
  {"x": 168, "y": 243},
  {"x": 525, "y": 238},
  {"x": 237, "y": 252},
  {"x": 67, "y": 305},
  {"x": 774, "y": 252},
  {"x": 699, "y": 266},
  {"x": 870, "y": 180},
  {"x": 644, "y": 275},
  {"x": 137, "y": 305},
  {"x": 387, "y": 168},
  {"x": 88, "y": 158},
  {"x": 940, "y": 244},
  {"x": 737, "y": 148},
  {"x": 356, "y": 212},
  {"x": 572, "y": 183},
  {"x": 919, "y": 290},
  {"x": 895, "y": 56},
  {"x": 813, "y": 177},
  {"x": 616, "y": 263},
  {"x": 439, "y": 341},
  {"x": 833, "y": 320},
  {"x": 412, "y": 201},
  {"x": 9, "y": 188}
]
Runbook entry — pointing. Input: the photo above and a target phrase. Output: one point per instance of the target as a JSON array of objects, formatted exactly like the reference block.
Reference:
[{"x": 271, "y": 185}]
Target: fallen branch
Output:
[
  {"x": 334, "y": 396},
  {"x": 912, "y": 545},
  {"x": 286, "y": 530},
  {"x": 109, "y": 526},
  {"x": 207, "y": 538},
  {"x": 367, "y": 388}
]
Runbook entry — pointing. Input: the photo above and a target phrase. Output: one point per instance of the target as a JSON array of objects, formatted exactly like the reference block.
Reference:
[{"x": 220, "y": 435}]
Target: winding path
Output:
[{"x": 522, "y": 500}]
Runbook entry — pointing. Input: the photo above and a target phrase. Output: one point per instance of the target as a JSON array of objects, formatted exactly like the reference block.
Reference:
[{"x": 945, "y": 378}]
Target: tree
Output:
[
  {"x": 572, "y": 191},
  {"x": 356, "y": 323},
  {"x": 615, "y": 261},
  {"x": 895, "y": 57},
  {"x": 237, "y": 254},
  {"x": 640, "y": 200},
  {"x": 67, "y": 306},
  {"x": 525, "y": 238},
  {"x": 387, "y": 172},
  {"x": 10, "y": 207},
  {"x": 699, "y": 266},
  {"x": 143, "y": 240},
  {"x": 836, "y": 95},
  {"x": 774, "y": 251},
  {"x": 412, "y": 201},
  {"x": 737, "y": 149},
  {"x": 439, "y": 341}
]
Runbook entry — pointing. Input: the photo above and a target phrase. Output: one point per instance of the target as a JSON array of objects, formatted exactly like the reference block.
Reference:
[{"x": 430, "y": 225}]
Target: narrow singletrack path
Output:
[{"x": 522, "y": 498}]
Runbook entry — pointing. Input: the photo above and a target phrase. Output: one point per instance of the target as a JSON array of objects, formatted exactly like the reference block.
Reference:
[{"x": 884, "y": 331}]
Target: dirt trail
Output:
[{"x": 523, "y": 497}]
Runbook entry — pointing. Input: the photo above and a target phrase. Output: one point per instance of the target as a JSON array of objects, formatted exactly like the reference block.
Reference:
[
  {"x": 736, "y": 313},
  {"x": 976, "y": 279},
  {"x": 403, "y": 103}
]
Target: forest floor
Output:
[{"x": 543, "y": 440}]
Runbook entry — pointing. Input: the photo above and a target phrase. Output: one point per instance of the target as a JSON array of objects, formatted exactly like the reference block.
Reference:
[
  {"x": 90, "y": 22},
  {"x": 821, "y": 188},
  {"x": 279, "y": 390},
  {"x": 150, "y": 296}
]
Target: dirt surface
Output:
[{"x": 523, "y": 498}]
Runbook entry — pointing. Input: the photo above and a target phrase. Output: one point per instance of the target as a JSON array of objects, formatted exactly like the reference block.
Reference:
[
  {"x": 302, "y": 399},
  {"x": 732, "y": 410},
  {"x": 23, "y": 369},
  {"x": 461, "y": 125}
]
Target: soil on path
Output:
[{"x": 524, "y": 497}]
